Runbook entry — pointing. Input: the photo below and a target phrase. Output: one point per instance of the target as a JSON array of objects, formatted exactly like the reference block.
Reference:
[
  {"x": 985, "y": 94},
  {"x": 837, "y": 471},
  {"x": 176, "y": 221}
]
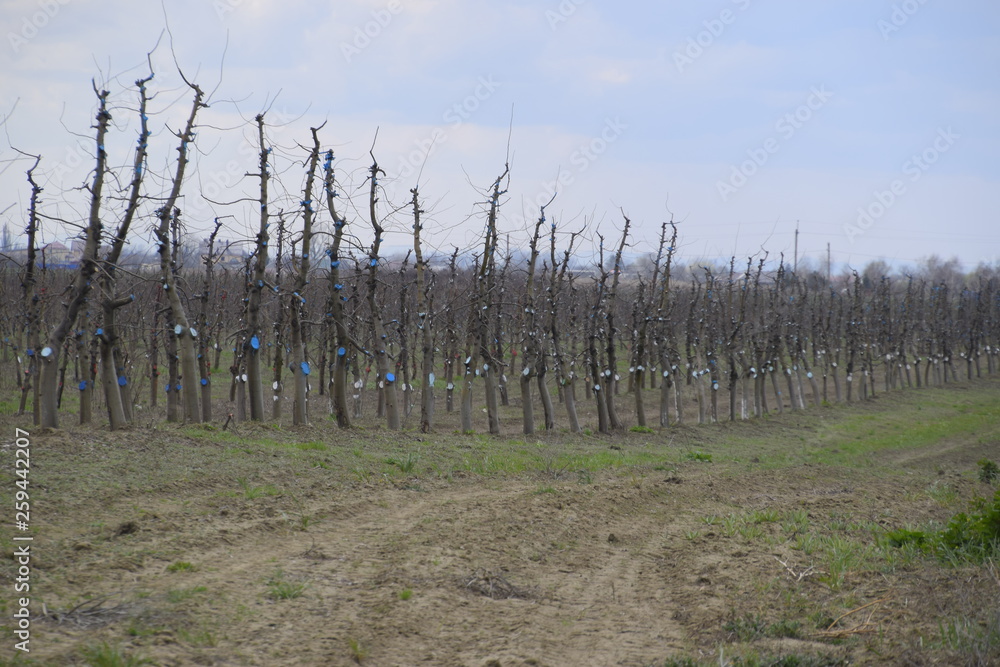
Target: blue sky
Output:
[{"x": 872, "y": 124}]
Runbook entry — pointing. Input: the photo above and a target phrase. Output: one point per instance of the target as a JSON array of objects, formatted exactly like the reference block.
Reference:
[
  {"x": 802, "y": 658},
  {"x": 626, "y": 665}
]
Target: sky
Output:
[{"x": 869, "y": 125}]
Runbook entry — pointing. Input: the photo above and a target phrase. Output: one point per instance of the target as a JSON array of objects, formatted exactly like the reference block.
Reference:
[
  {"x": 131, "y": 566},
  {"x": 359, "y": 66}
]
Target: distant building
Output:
[
  {"x": 55, "y": 255},
  {"x": 227, "y": 256},
  {"x": 140, "y": 261},
  {"x": 16, "y": 255}
]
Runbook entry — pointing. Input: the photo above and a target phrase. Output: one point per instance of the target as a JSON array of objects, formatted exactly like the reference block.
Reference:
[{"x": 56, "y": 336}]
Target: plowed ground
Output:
[{"x": 262, "y": 545}]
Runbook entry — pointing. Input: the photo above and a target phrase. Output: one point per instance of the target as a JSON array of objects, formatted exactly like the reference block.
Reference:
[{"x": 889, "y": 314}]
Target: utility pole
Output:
[
  {"x": 795, "y": 262},
  {"x": 829, "y": 265}
]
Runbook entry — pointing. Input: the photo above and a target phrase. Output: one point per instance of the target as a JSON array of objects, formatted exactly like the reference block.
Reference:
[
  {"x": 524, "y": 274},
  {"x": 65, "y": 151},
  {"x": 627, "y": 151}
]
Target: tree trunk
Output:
[
  {"x": 114, "y": 378},
  {"x": 778, "y": 399},
  {"x": 110, "y": 377},
  {"x": 386, "y": 378},
  {"x": 48, "y": 385},
  {"x": 611, "y": 341},
  {"x": 485, "y": 303},
  {"x": 169, "y": 219},
  {"x": 300, "y": 364},
  {"x": 527, "y": 410},
  {"x": 603, "y": 421},
  {"x": 546, "y": 398},
  {"x": 252, "y": 342}
]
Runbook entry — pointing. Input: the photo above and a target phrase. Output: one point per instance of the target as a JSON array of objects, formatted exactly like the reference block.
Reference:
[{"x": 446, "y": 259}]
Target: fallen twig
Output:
[
  {"x": 857, "y": 609},
  {"x": 797, "y": 576},
  {"x": 865, "y": 627},
  {"x": 88, "y": 612},
  {"x": 493, "y": 585}
]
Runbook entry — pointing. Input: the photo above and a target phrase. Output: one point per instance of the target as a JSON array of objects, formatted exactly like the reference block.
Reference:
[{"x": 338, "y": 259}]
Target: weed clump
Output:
[
  {"x": 752, "y": 627},
  {"x": 106, "y": 655},
  {"x": 988, "y": 471},
  {"x": 972, "y": 536},
  {"x": 976, "y": 534},
  {"x": 902, "y": 536}
]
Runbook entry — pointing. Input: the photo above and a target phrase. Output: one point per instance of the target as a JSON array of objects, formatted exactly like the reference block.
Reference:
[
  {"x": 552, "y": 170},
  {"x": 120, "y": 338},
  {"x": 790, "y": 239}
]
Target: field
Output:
[{"x": 778, "y": 541}]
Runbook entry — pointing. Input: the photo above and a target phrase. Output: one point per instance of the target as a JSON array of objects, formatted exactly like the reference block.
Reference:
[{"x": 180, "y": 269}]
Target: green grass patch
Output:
[
  {"x": 183, "y": 594},
  {"x": 975, "y": 535},
  {"x": 988, "y": 471},
  {"x": 180, "y": 566},
  {"x": 969, "y": 638},
  {"x": 972, "y": 536},
  {"x": 751, "y": 627},
  {"x": 311, "y": 446},
  {"x": 251, "y": 492},
  {"x": 359, "y": 652},
  {"x": 280, "y": 588},
  {"x": 850, "y": 440},
  {"x": 107, "y": 655},
  {"x": 406, "y": 465},
  {"x": 199, "y": 638}
]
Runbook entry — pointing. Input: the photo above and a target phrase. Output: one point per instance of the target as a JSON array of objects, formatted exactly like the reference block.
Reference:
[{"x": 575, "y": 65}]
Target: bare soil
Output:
[{"x": 190, "y": 550}]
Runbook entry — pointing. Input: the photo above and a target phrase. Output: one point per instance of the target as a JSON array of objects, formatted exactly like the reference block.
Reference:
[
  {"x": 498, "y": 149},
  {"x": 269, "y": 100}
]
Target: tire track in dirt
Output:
[{"x": 589, "y": 562}]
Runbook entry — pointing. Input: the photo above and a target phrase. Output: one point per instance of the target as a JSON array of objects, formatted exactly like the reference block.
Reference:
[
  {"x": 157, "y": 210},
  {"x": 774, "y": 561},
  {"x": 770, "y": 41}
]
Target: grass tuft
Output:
[
  {"x": 106, "y": 655},
  {"x": 988, "y": 471},
  {"x": 281, "y": 589}
]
